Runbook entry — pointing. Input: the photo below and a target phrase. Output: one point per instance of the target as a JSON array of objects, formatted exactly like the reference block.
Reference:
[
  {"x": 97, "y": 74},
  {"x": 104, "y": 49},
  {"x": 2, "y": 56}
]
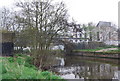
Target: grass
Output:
[
  {"x": 99, "y": 48},
  {"x": 89, "y": 50},
  {"x": 20, "y": 68},
  {"x": 113, "y": 51}
]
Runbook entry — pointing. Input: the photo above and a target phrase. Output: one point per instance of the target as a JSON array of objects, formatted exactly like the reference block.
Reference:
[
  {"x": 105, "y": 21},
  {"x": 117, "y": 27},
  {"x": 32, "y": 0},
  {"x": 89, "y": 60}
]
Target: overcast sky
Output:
[{"x": 84, "y": 11}]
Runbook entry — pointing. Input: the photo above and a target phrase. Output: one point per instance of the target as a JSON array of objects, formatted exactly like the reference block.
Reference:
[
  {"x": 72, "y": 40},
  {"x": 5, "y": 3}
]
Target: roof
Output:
[{"x": 104, "y": 24}]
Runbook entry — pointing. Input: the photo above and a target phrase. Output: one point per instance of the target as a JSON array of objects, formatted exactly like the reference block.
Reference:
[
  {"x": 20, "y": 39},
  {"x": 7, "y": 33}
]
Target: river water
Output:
[{"x": 77, "y": 67}]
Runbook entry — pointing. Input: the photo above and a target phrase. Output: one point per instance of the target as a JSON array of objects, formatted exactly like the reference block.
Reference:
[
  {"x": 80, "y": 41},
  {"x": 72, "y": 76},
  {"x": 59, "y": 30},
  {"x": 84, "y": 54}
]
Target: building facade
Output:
[
  {"x": 102, "y": 32},
  {"x": 108, "y": 33}
]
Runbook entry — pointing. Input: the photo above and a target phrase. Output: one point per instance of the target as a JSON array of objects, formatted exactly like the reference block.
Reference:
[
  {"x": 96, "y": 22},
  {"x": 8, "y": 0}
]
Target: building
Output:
[
  {"x": 7, "y": 44},
  {"x": 76, "y": 33},
  {"x": 102, "y": 32},
  {"x": 107, "y": 33}
]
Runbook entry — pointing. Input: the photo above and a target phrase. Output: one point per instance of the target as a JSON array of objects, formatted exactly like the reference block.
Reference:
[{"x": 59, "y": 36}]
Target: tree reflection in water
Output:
[{"x": 85, "y": 68}]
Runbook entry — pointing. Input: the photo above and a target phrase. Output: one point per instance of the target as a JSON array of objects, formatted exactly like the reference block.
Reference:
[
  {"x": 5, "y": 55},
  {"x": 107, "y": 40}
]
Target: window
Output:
[{"x": 98, "y": 37}]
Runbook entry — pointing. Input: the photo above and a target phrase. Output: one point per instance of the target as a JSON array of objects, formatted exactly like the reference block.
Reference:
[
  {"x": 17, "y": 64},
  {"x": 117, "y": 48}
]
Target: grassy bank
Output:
[
  {"x": 19, "y": 67},
  {"x": 99, "y": 48},
  {"x": 113, "y": 51}
]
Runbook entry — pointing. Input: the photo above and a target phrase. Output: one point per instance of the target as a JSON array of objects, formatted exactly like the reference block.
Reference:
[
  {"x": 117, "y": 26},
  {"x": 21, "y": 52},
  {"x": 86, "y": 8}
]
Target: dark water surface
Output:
[{"x": 77, "y": 67}]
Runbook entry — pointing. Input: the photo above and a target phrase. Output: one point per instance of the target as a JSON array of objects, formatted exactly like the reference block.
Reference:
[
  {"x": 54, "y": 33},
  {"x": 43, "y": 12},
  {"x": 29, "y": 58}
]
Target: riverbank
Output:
[
  {"x": 19, "y": 67},
  {"x": 99, "y": 52},
  {"x": 100, "y": 49},
  {"x": 109, "y": 49}
]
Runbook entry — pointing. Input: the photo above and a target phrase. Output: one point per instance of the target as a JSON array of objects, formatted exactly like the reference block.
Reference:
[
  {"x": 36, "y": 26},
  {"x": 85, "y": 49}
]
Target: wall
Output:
[{"x": 7, "y": 44}]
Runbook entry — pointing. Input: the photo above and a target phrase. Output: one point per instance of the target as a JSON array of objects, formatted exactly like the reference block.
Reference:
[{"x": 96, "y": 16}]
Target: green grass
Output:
[
  {"x": 89, "y": 50},
  {"x": 113, "y": 51},
  {"x": 20, "y": 68},
  {"x": 99, "y": 48}
]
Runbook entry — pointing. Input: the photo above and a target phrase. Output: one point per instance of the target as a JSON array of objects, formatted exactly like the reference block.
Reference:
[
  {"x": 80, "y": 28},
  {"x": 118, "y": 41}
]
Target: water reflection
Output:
[
  {"x": 61, "y": 61},
  {"x": 83, "y": 68}
]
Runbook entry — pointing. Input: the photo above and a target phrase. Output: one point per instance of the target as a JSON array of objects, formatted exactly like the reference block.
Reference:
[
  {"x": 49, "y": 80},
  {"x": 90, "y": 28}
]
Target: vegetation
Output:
[
  {"x": 87, "y": 50},
  {"x": 20, "y": 67},
  {"x": 113, "y": 51},
  {"x": 36, "y": 25},
  {"x": 5, "y": 31},
  {"x": 99, "y": 48}
]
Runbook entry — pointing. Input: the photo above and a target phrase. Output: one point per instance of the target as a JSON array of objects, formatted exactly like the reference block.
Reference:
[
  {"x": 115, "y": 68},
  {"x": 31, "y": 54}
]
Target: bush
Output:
[{"x": 26, "y": 60}]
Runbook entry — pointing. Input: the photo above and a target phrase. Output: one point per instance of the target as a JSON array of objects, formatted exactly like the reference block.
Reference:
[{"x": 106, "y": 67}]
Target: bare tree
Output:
[
  {"x": 5, "y": 19},
  {"x": 42, "y": 22}
]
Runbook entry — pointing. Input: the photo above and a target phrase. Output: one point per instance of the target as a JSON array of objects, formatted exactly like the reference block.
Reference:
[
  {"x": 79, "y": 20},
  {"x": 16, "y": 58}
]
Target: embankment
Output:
[{"x": 98, "y": 54}]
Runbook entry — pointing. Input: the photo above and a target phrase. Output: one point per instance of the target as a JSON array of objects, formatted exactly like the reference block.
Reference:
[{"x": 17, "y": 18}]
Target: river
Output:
[{"x": 77, "y": 67}]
